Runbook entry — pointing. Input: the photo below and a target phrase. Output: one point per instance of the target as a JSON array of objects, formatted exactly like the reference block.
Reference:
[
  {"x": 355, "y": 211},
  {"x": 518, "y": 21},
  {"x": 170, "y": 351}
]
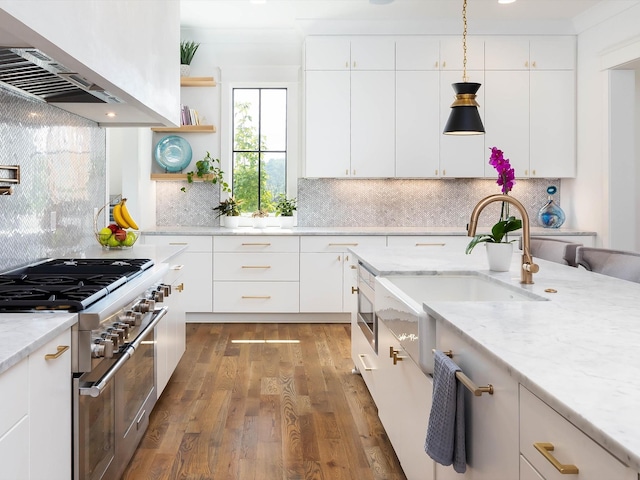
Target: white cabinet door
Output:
[
  {"x": 14, "y": 421},
  {"x": 321, "y": 277},
  {"x": 553, "y": 53},
  {"x": 491, "y": 420},
  {"x": 327, "y": 53},
  {"x": 349, "y": 283},
  {"x": 50, "y": 409},
  {"x": 460, "y": 155},
  {"x": 417, "y": 124},
  {"x": 527, "y": 472},
  {"x": 403, "y": 397},
  {"x": 328, "y": 124},
  {"x": 372, "y": 124},
  {"x": 14, "y": 452},
  {"x": 417, "y": 53},
  {"x": 506, "y": 116},
  {"x": 372, "y": 53},
  {"x": 501, "y": 53},
  {"x": 553, "y": 124}
]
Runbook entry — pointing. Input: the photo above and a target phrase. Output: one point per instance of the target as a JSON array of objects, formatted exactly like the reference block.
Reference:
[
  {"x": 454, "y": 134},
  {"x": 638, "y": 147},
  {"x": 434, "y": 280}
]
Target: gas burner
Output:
[{"x": 24, "y": 293}]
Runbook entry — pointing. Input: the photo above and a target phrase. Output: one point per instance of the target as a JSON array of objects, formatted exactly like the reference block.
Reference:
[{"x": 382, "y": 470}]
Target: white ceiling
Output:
[{"x": 305, "y": 14}]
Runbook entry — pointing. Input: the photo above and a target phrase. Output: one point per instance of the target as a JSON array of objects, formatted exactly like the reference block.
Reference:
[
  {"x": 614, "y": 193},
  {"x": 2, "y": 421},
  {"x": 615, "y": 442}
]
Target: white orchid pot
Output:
[{"x": 499, "y": 256}]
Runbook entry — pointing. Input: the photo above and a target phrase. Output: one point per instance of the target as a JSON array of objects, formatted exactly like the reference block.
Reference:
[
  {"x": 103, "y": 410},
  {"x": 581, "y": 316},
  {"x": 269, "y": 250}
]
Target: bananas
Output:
[{"x": 122, "y": 216}]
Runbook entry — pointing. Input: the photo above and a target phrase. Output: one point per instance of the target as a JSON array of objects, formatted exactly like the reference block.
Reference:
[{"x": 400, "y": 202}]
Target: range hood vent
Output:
[{"x": 34, "y": 72}]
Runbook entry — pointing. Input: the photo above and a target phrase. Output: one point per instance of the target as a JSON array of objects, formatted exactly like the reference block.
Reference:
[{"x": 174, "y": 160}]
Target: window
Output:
[{"x": 259, "y": 147}]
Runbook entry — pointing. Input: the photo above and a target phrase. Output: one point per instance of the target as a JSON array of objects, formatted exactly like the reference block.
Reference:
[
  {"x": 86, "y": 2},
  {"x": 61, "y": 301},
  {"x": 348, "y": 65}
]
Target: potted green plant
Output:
[
  {"x": 284, "y": 209},
  {"x": 260, "y": 218},
  {"x": 187, "y": 51},
  {"x": 208, "y": 168},
  {"x": 230, "y": 210}
]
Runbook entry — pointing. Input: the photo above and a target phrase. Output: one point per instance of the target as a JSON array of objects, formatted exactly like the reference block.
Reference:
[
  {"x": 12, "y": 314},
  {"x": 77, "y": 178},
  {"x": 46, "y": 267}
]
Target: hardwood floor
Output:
[{"x": 265, "y": 411}]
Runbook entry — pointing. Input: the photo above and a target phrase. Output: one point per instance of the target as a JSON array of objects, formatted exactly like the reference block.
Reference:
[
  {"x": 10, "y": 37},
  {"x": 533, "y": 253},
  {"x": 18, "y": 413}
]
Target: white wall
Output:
[{"x": 598, "y": 46}]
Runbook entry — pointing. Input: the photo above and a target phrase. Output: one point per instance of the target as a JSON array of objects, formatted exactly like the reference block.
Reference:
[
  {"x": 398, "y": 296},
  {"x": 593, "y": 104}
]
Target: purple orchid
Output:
[{"x": 506, "y": 174}]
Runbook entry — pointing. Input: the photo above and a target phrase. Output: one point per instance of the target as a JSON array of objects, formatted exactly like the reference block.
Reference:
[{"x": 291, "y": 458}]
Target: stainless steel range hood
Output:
[{"x": 31, "y": 71}]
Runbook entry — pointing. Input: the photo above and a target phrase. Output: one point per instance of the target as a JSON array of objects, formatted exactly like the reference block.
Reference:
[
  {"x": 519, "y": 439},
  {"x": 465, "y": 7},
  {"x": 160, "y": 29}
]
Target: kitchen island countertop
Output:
[
  {"x": 23, "y": 333},
  {"x": 578, "y": 351}
]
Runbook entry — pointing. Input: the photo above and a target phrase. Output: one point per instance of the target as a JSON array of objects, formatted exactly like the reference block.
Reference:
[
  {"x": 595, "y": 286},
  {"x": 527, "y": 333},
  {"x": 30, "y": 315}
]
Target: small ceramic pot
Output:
[{"x": 499, "y": 256}]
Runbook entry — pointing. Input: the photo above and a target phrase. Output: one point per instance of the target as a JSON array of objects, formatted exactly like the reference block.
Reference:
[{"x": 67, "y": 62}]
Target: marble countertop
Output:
[
  {"x": 23, "y": 333},
  {"x": 447, "y": 231},
  {"x": 579, "y": 351}
]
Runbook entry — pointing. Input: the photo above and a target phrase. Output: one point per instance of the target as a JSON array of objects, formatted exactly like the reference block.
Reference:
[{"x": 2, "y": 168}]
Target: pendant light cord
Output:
[{"x": 464, "y": 41}]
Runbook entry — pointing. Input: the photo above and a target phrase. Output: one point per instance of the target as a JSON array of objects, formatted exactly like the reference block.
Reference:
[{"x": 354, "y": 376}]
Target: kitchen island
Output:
[{"x": 578, "y": 351}]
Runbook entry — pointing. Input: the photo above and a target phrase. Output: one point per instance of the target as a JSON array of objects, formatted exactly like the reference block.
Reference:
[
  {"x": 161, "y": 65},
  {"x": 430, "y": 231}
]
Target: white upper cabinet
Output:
[
  {"x": 553, "y": 53},
  {"x": 523, "y": 53},
  {"x": 417, "y": 53},
  {"x": 503, "y": 54},
  {"x": 327, "y": 53},
  {"x": 373, "y": 53}
]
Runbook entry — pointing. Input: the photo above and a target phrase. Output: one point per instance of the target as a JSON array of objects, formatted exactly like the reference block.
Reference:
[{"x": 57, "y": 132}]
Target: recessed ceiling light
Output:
[{"x": 111, "y": 114}]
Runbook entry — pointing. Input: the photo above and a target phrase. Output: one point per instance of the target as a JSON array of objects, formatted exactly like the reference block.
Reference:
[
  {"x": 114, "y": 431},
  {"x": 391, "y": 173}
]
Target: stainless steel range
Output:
[{"x": 113, "y": 348}]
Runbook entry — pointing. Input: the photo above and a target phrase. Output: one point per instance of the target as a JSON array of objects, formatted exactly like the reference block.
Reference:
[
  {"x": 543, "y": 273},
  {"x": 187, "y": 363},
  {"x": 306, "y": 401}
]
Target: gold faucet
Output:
[{"x": 528, "y": 267}]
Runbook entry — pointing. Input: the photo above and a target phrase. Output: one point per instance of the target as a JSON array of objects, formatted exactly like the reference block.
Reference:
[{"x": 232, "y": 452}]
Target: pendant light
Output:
[{"x": 464, "y": 118}]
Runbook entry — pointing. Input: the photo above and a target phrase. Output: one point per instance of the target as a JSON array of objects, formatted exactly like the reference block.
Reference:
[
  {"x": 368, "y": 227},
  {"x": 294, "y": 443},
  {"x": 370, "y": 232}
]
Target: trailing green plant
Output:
[
  {"x": 229, "y": 207},
  {"x": 187, "y": 51},
  {"x": 286, "y": 206},
  {"x": 207, "y": 167}
]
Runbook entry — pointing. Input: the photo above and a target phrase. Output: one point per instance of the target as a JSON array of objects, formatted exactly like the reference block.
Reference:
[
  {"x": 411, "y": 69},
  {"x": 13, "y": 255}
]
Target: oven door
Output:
[
  {"x": 367, "y": 319},
  {"x": 112, "y": 406}
]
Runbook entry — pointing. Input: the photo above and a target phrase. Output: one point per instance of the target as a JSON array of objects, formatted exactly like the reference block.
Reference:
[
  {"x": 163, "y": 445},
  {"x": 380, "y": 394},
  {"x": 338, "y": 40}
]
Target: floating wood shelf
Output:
[
  {"x": 197, "y": 82},
  {"x": 178, "y": 177},
  {"x": 187, "y": 129}
]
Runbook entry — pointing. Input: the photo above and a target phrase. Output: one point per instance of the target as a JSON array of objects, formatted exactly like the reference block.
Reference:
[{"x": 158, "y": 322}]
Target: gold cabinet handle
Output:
[
  {"x": 366, "y": 367},
  {"x": 526, "y": 64},
  {"x": 256, "y": 266},
  {"x": 533, "y": 64},
  {"x": 354, "y": 290},
  {"x": 466, "y": 381},
  {"x": 263, "y": 297},
  {"x": 61, "y": 350},
  {"x": 180, "y": 287},
  {"x": 430, "y": 244},
  {"x": 393, "y": 353},
  {"x": 256, "y": 244},
  {"x": 178, "y": 243},
  {"x": 355, "y": 244},
  {"x": 444, "y": 64},
  {"x": 177, "y": 267},
  {"x": 545, "y": 449}
]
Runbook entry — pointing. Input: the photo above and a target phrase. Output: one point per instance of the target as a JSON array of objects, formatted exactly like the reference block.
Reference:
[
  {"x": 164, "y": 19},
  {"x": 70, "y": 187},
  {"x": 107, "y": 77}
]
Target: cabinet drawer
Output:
[
  {"x": 196, "y": 243},
  {"x": 339, "y": 243},
  {"x": 540, "y": 423},
  {"x": 256, "y": 297},
  {"x": 14, "y": 406},
  {"x": 256, "y": 266},
  {"x": 429, "y": 242},
  {"x": 257, "y": 243}
]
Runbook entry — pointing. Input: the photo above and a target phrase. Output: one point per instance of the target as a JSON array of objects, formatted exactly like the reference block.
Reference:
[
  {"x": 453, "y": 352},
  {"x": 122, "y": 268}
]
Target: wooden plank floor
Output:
[{"x": 265, "y": 411}]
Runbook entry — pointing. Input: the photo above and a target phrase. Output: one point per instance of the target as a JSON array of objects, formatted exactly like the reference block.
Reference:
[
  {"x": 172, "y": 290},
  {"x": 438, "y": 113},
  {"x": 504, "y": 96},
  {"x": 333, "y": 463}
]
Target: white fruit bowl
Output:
[{"x": 109, "y": 241}]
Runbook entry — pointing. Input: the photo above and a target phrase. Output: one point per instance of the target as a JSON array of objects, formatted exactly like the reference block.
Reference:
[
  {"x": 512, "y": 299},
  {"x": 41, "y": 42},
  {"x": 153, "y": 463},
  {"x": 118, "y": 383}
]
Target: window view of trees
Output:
[{"x": 259, "y": 147}]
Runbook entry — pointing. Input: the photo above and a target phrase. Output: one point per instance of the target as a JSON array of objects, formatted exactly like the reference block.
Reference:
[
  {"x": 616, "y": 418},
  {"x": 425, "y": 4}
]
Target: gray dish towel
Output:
[{"x": 445, "y": 441}]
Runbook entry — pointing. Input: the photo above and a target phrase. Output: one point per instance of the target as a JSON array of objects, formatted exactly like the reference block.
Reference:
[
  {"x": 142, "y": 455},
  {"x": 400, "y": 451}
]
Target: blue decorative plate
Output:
[{"x": 173, "y": 153}]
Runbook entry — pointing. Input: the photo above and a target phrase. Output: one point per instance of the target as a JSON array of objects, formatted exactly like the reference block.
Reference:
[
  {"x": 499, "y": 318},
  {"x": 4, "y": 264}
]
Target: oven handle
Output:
[{"x": 96, "y": 389}]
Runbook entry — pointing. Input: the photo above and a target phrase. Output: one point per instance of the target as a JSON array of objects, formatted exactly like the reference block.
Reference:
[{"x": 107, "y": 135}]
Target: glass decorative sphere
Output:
[{"x": 551, "y": 215}]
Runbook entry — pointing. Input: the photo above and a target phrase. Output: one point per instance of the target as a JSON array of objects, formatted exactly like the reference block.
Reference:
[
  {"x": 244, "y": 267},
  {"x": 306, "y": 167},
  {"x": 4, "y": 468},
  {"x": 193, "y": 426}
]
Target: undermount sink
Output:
[
  {"x": 399, "y": 301},
  {"x": 458, "y": 287}
]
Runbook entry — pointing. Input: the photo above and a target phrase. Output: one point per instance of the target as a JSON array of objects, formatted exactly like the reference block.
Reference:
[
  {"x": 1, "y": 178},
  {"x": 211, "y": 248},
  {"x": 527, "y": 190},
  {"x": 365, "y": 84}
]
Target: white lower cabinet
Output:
[
  {"x": 527, "y": 472},
  {"x": 171, "y": 331},
  {"x": 491, "y": 420},
  {"x": 327, "y": 271},
  {"x": 561, "y": 442},
  {"x": 35, "y": 421},
  {"x": 403, "y": 397},
  {"x": 197, "y": 263}
]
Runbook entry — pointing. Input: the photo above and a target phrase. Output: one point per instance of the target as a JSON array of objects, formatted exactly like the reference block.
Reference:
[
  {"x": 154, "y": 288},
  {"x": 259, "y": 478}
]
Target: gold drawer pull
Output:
[
  {"x": 256, "y": 244},
  {"x": 466, "y": 381},
  {"x": 256, "y": 266},
  {"x": 545, "y": 449},
  {"x": 180, "y": 287},
  {"x": 354, "y": 290},
  {"x": 261, "y": 297},
  {"x": 430, "y": 244},
  {"x": 61, "y": 350},
  {"x": 177, "y": 267},
  {"x": 343, "y": 244},
  {"x": 178, "y": 243}
]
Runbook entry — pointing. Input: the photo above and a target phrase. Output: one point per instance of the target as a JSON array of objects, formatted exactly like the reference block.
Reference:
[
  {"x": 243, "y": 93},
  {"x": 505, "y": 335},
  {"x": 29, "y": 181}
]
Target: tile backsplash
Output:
[
  {"x": 362, "y": 203},
  {"x": 62, "y": 159}
]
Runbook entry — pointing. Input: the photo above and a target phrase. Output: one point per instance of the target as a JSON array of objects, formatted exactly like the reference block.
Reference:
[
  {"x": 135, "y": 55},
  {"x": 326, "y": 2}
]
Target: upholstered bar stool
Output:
[
  {"x": 554, "y": 250},
  {"x": 614, "y": 263}
]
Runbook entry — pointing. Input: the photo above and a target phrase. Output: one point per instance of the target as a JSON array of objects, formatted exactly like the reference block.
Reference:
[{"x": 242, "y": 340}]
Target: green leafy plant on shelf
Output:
[
  {"x": 208, "y": 168},
  {"x": 187, "y": 51},
  {"x": 286, "y": 206}
]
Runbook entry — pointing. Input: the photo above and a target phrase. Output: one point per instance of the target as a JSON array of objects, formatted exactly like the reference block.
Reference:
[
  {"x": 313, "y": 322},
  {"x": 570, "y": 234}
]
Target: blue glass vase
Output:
[{"x": 551, "y": 215}]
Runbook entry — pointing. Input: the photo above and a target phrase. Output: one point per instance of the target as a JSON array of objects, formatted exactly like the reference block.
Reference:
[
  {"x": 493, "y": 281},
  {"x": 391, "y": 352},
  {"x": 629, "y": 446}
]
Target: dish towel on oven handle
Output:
[{"x": 445, "y": 441}]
